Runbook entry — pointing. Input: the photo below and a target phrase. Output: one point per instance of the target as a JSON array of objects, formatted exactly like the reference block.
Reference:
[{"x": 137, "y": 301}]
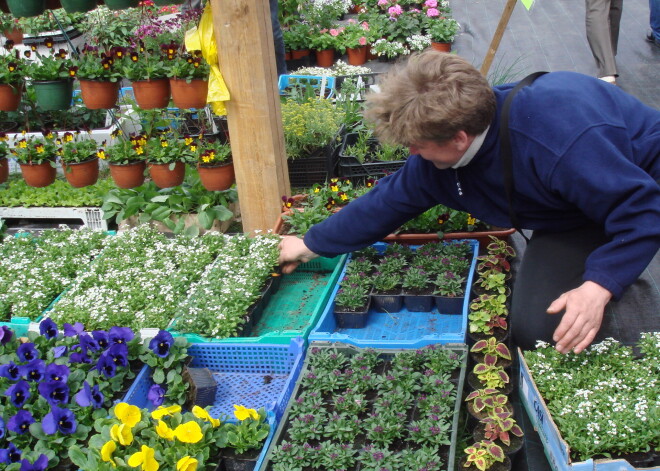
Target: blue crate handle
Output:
[{"x": 329, "y": 82}]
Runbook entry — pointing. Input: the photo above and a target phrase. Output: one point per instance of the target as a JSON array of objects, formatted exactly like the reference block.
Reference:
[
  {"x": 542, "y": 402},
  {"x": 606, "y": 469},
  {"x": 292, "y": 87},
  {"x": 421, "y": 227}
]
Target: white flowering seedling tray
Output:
[
  {"x": 265, "y": 462},
  {"x": 556, "y": 449},
  {"x": 402, "y": 329}
]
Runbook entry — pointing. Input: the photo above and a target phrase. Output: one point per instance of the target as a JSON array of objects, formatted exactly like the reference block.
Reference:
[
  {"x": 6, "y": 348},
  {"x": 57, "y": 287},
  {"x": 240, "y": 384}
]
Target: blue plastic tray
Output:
[
  {"x": 315, "y": 81},
  {"x": 401, "y": 329},
  {"x": 240, "y": 371}
]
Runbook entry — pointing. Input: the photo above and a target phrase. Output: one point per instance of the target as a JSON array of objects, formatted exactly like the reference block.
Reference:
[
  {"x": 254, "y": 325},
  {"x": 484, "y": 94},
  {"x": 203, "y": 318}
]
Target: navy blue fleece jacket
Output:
[{"x": 582, "y": 150}]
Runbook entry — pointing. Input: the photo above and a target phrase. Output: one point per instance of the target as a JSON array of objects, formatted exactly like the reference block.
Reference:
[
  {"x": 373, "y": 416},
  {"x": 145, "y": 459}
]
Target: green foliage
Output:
[
  {"x": 442, "y": 219},
  {"x": 50, "y": 20},
  {"x": 56, "y": 65},
  {"x": 367, "y": 149},
  {"x": 309, "y": 126},
  {"x": 15, "y": 192},
  {"x": 107, "y": 28},
  {"x": 187, "y": 66}
]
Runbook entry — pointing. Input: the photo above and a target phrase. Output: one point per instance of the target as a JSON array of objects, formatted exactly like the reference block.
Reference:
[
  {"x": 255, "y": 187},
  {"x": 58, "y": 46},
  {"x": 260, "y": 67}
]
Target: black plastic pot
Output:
[
  {"x": 447, "y": 305},
  {"x": 352, "y": 319},
  {"x": 415, "y": 303},
  {"x": 244, "y": 462},
  {"x": 474, "y": 383},
  {"x": 387, "y": 302}
]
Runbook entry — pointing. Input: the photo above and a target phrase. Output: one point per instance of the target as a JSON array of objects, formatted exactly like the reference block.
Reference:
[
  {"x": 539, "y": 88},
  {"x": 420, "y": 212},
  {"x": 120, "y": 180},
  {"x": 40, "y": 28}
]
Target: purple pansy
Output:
[
  {"x": 102, "y": 338},
  {"x": 20, "y": 423},
  {"x": 90, "y": 396},
  {"x": 156, "y": 395},
  {"x": 40, "y": 464},
  {"x": 33, "y": 371},
  {"x": 87, "y": 342},
  {"x": 10, "y": 371},
  {"x": 73, "y": 330},
  {"x": 118, "y": 353},
  {"x": 120, "y": 334},
  {"x": 11, "y": 454},
  {"x": 27, "y": 352},
  {"x": 106, "y": 366},
  {"x": 161, "y": 343},
  {"x": 60, "y": 351},
  {"x": 18, "y": 393},
  {"x": 5, "y": 335},
  {"x": 48, "y": 328},
  {"x": 55, "y": 372},
  {"x": 55, "y": 392},
  {"x": 59, "y": 420}
]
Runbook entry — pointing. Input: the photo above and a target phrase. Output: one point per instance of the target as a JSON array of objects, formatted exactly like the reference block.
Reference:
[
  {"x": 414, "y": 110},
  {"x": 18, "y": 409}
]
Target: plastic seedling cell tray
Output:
[
  {"x": 402, "y": 329},
  {"x": 254, "y": 376}
]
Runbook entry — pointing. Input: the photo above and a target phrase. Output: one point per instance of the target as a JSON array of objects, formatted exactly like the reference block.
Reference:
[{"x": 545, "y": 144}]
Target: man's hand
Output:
[
  {"x": 293, "y": 252},
  {"x": 584, "y": 307}
]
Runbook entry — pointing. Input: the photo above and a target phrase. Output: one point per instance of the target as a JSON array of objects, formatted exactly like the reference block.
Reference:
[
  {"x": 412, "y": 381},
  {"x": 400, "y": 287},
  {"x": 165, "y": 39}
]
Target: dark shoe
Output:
[{"x": 650, "y": 37}]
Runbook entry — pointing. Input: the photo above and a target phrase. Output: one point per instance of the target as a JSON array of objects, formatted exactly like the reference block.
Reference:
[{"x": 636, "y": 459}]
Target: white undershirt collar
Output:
[{"x": 472, "y": 150}]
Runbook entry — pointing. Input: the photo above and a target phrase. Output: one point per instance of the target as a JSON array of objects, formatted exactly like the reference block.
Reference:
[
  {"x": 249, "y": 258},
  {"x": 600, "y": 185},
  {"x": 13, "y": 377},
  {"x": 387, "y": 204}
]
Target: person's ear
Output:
[{"x": 462, "y": 141}]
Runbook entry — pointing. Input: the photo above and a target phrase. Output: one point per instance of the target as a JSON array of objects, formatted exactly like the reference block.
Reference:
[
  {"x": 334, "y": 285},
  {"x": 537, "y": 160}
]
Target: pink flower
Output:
[
  {"x": 413, "y": 10},
  {"x": 365, "y": 26},
  {"x": 324, "y": 30},
  {"x": 396, "y": 10},
  {"x": 382, "y": 3},
  {"x": 432, "y": 12},
  {"x": 334, "y": 32},
  {"x": 362, "y": 41},
  {"x": 431, "y": 3},
  {"x": 351, "y": 21}
]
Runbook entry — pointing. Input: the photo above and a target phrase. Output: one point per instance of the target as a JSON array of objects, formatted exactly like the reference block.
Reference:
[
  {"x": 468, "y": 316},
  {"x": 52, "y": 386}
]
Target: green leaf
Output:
[
  {"x": 158, "y": 376},
  {"x": 160, "y": 198},
  {"x": 77, "y": 457},
  {"x": 192, "y": 231},
  {"x": 205, "y": 219}
]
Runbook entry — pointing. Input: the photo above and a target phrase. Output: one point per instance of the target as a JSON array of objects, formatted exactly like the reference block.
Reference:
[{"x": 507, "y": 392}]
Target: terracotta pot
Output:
[
  {"x": 4, "y": 169},
  {"x": 150, "y": 94},
  {"x": 83, "y": 173},
  {"x": 287, "y": 56},
  {"x": 357, "y": 55},
  {"x": 481, "y": 236},
  {"x": 189, "y": 95},
  {"x": 217, "y": 178},
  {"x": 325, "y": 58},
  {"x": 15, "y": 34},
  {"x": 10, "y": 96},
  {"x": 299, "y": 54},
  {"x": 38, "y": 175},
  {"x": 128, "y": 175},
  {"x": 163, "y": 177},
  {"x": 370, "y": 55},
  {"x": 99, "y": 94},
  {"x": 442, "y": 47}
]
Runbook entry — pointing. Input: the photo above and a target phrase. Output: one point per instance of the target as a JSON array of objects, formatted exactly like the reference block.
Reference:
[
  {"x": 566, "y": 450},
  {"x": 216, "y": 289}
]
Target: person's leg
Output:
[
  {"x": 654, "y": 19},
  {"x": 278, "y": 39},
  {"x": 616, "y": 8},
  {"x": 598, "y": 36}
]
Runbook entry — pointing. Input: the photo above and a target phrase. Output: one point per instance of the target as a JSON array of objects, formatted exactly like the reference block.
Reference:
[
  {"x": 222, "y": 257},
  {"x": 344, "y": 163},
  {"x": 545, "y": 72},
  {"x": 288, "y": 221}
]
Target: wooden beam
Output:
[
  {"x": 497, "y": 37},
  {"x": 246, "y": 58}
]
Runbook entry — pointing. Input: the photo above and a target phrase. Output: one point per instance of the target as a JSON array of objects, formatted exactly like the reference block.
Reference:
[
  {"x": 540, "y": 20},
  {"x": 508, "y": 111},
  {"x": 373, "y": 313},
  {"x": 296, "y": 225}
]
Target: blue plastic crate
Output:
[
  {"x": 240, "y": 371},
  {"x": 19, "y": 325},
  {"x": 327, "y": 84},
  {"x": 401, "y": 329}
]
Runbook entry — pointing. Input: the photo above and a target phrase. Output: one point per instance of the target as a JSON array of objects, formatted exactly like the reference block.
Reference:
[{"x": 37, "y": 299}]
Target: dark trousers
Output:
[{"x": 552, "y": 264}]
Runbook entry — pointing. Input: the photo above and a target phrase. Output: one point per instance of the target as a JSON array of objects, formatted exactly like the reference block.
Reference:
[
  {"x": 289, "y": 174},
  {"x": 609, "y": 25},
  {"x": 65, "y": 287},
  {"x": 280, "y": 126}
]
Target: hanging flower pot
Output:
[
  {"x": 217, "y": 177},
  {"x": 3, "y": 6},
  {"x": 53, "y": 4},
  {"x": 150, "y": 94},
  {"x": 10, "y": 96},
  {"x": 162, "y": 3},
  {"x": 189, "y": 95},
  {"x": 121, "y": 4},
  {"x": 325, "y": 58},
  {"x": 26, "y": 8},
  {"x": 99, "y": 94},
  {"x": 78, "y": 6},
  {"x": 14, "y": 34},
  {"x": 82, "y": 174},
  {"x": 53, "y": 94},
  {"x": 4, "y": 169},
  {"x": 128, "y": 175},
  {"x": 165, "y": 177},
  {"x": 442, "y": 47},
  {"x": 38, "y": 175},
  {"x": 357, "y": 55}
]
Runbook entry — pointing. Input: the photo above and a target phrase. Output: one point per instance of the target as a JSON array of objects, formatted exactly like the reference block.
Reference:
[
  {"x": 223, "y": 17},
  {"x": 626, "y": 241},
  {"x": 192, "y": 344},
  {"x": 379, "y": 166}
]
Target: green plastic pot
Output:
[
  {"x": 53, "y": 94},
  {"x": 26, "y": 8},
  {"x": 78, "y": 6},
  {"x": 121, "y": 4}
]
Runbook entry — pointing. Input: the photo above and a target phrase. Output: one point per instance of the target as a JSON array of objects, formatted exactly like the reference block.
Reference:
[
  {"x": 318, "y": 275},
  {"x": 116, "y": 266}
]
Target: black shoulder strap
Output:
[{"x": 505, "y": 145}]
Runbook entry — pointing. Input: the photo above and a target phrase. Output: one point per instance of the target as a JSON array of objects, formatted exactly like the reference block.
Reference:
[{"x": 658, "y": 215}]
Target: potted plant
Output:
[
  {"x": 501, "y": 428},
  {"x": 214, "y": 163},
  {"x": 146, "y": 70},
  {"x": 27, "y": 8},
  {"x": 352, "y": 302},
  {"x": 126, "y": 159},
  {"x": 244, "y": 439},
  {"x": 166, "y": 159},
  {"x": 491, "y": 347},
  {"x": 99, "y": 77},
  {"x": 36, "y": 156},
  {"x": 296, "y": 39},
  {"x": 481, "y": 402},
  {"x": 52, "y": 77},
  {"x": 4, "y": 152},
  {"x": 79, "y": 159},
  {"x": 325, "y": 41},
  {"x": 488, "y": 317},
  {"x": 485, "y": 455},
  {"x": 416, "y": 290},
  {"x": 387, "y": 50},
  {"x": 449, "y": 292},
  {"x": 386, "y": 291},
  {"x": 490, "y": 375},
  {"x": 188, "y": 73},
  {"x": 442, "y": 31},
  {"x": 354, "y": 40},
  {"x": 11, "y": 78},
  {"x": 10, "y": 28}
]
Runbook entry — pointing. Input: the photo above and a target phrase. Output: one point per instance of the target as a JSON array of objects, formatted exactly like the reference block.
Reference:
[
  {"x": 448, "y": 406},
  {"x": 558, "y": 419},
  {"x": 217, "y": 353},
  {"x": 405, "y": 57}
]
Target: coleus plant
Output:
[
  {"x": 491, "y": 347},
  {"x": 486, "y": 399},
  {"x": 499, "y": 425},
  {"x": 490, "y": 374},
  {"x": 483, "y": 455}
]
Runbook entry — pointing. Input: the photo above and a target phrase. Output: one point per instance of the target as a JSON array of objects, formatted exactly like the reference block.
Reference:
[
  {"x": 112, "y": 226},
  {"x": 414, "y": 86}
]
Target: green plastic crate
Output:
[
  {"x": 294, "y": 309},
  {"x": 20, "y": 325},
  {"x": 351, "y": 350}
]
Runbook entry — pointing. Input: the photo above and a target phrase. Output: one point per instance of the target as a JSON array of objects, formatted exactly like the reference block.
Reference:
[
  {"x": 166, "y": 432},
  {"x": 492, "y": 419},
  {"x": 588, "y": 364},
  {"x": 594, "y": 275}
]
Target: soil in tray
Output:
[{"x": 297, "y": 315}]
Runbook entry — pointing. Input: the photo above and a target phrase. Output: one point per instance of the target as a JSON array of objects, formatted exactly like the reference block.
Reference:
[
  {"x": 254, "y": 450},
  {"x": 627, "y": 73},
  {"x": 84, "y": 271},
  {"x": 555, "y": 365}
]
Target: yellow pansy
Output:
[
  {"x": 187, "y": 463},
  {"x": 121, "y": 433},
  {"x": 164, "y": 412},
  {"x": 164, "y": 431},
  {"x": 144, "y": 458},
  {"x": 128, "y": 414},
  {"x": 190, "y": 432},
  {"x": 334, "y": 188},
  {"x": 243, "y": 413},
  {"x": 106, "y": 452},
  {"x": 204, "y": 415}
]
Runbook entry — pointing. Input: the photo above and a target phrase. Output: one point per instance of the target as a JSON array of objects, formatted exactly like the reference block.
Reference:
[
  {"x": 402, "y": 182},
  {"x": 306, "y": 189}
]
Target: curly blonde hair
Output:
[{"x": 430, "y": 97}]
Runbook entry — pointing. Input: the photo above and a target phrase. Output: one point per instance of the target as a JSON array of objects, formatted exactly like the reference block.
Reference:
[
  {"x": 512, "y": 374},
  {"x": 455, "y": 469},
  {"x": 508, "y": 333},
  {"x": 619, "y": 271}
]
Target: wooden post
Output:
[
  {"x": 246, "y": 56},
  {"x": 497, "y": 37}
]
